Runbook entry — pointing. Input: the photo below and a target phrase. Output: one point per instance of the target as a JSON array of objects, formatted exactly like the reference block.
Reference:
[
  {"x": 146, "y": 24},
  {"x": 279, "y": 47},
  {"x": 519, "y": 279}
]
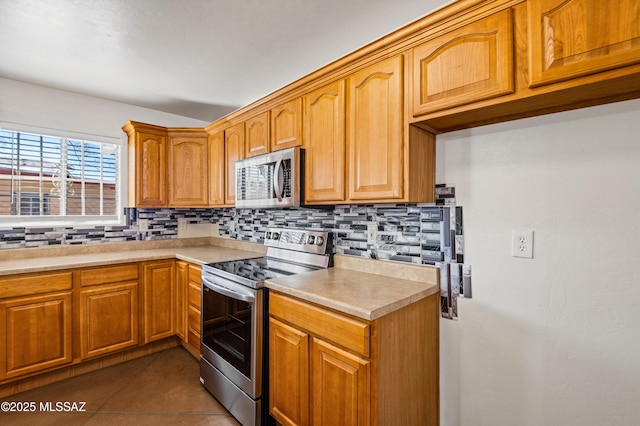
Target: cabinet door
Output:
[
  {"x": 288, "y": 374},
  {"x": 466, "y": 65},
  {"x": 234, "y": 151},
  {"x": 35, "y": 334},
  {"x": 182, "y": 283},
  {"x": 324, "y": 142},
  {"x": 150, "y": 170},
  {"x": 571, "y": 38},
  {"x": 286, "y": 125},
  {"x": 257, "y": 135},
  {"x": 108, "y": 319},
  {"x": 194, "y": 300},
  {"x": 158, "y": 299},
  {"x": 375, "y": 148},
  {"x": 188, "y": 172},
  {"x": 216, "y": 169},
  {"x": 340, "y": 386}
]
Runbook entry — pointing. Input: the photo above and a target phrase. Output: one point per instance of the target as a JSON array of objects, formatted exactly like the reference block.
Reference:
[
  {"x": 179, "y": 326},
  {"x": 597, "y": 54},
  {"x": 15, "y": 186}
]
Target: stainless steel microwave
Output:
[{"x": 269, "y": 180}]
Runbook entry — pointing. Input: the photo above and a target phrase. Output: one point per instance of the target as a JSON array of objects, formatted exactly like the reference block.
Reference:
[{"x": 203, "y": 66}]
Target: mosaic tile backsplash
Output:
[{"x": 415, "y": 233}]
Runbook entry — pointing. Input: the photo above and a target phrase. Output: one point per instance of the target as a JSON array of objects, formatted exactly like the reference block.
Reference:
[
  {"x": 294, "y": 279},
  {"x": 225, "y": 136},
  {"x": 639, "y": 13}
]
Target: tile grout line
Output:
[{"x": 124, "y": 386}]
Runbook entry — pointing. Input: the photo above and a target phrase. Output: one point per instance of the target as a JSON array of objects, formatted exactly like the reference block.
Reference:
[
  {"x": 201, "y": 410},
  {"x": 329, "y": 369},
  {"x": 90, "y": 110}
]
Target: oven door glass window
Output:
[{"x": 227, "y": 326}]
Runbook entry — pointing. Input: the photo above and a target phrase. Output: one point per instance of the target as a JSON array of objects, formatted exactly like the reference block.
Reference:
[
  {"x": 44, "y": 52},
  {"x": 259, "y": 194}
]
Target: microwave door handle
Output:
[
  {"x": 276, "y": 181},
  {"x": 228, "y": 292}
]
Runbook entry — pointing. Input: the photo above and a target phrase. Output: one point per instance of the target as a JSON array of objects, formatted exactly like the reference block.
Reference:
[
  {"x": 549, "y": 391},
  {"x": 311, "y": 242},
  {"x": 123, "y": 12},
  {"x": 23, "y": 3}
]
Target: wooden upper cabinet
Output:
[
  {"x": 217, "y": 170},
  {"x": 234, "y": 151},
  {"x": 147, "y": 165},
  {"x": 188, "y": 186},
  {"x": 324, "y": 143},
  {"x": 286, "y": 125},
  {"x": 375, "y": 132},
  {"x": 257, "y": 135},
  {"x": 470, "y": 64},
  {"x": 572, "y": 38}
]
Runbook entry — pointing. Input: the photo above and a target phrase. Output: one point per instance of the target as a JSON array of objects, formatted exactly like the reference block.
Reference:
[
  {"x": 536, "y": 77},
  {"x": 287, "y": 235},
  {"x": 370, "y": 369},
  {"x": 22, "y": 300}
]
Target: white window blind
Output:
[{"x": 57, "y": 177}]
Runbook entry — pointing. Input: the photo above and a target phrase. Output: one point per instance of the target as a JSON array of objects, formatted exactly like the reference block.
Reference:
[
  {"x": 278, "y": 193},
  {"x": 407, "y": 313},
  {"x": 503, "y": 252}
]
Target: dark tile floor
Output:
[{"x": 159, "y": 389}]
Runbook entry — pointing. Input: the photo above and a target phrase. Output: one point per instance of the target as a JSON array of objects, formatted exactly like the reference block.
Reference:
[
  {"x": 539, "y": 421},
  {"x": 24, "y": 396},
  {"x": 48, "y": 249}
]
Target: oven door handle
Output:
[{"x": 245, "y": 296}]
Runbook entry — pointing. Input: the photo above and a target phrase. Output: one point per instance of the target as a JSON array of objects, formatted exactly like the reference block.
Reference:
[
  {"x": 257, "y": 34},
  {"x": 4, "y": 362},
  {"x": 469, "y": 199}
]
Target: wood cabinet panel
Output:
[
  {"x": 288, "y": 374},
  {"x": 194, "y": 309},
  {"x": 108, "y": 319},
  {"x": 324, "y": 129},
  {"x": 147, "y": 165},
  {"x": 344, "y": 331},
  {"x": 375, "y": 137},
  {"x": 257, "y": 135},
  {"x": 340, "y": 384},
  {"x": 30, "y": 284},
  {"x": 182, "y": 283},
  {"x": 188, "y": 177},
  {"x": 286, "y": 125},
  {"x": 158, "y": 280},
  {"x": 234, "y": 151},
  {"x": 35, "y": 334},
  {"x": 217, "y": 169},
  {"x": 470, "y": 64},
  {"x": 572, "y": 38},
  {"x": 109, "y": 274}
]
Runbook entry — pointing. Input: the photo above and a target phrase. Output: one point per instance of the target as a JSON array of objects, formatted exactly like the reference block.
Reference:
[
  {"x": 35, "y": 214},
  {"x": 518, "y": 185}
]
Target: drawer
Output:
[
  {"x": 195, "y": 272},
  {"x": 194, "y": 295},
  {"x": 109, "y": 274},
  {"x": 30, "y": 284},
  {"x": 194, "y": 318},
  {"x": 193, "y": 339},
  {"x": 346, "y": 332}
]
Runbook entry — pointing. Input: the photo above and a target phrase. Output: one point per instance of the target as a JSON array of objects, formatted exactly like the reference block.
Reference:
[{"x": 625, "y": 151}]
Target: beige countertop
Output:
[
  {"x": 199, "y": 251},
  {"x": 361, "y": 287},
  {"x": 365, "y": 288}
]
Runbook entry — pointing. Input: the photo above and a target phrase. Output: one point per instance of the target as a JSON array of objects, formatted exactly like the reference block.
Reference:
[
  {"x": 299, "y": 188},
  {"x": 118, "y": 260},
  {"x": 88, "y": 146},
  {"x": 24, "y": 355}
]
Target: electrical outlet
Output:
[
  {"x": 143, "y": 225},
  {"x": 182, "y": 223},
  {"x": 372, "y": 232},
  {"x": 522, "y": 244}
]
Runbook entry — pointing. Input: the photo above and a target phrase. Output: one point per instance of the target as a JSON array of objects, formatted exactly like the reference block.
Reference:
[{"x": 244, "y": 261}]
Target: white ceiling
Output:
[{"x": 196, "y": 58}]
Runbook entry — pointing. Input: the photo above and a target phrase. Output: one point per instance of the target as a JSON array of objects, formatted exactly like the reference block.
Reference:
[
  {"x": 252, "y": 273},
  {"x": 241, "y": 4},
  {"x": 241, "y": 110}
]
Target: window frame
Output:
[{"x": 118, "y": 219}]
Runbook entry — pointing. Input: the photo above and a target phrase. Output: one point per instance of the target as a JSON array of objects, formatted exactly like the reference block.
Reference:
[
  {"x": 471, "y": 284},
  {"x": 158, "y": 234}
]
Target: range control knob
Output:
[
  {"x": 275, "y": 236},
  {"x": 311, "y": 239},
  {"x": 319, "y": 240},
  {"x": 267, "y": 235}
]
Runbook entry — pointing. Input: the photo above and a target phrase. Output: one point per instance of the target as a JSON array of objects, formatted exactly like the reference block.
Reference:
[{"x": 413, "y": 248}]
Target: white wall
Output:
[
  {"x": 554, "y": 340},
  {"x": 33, "y": 105}
]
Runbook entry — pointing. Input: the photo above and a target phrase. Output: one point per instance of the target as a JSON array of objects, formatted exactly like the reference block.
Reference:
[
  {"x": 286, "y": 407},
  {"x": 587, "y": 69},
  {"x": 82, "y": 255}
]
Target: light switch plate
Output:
[
  {"x": 143, "y": 225},
  {"x": 522, "y": 244}
]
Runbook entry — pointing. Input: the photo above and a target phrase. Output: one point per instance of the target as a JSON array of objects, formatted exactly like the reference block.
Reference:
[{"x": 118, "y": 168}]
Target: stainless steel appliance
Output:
[
  {"x": 233, "y": 361},
  {"x": 269, "y": 180}
]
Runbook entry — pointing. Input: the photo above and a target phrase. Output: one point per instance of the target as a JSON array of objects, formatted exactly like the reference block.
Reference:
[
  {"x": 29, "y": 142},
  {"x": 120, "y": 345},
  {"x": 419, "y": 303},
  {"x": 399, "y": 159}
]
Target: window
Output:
[{"x": 58, "y": 179}]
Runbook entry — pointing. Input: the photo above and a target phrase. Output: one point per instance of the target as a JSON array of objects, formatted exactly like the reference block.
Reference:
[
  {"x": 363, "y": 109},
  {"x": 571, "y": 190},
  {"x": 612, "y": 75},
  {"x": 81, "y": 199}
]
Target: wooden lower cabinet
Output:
[
  {"x": 326, "y": 367},
  {"x": 108, "y": 309},
  {"x": 194, "y": 291},
  {"x": 182, "y": 281},
  {"x": 288, "y": 374},
  {"x": 158, "y": 304},
  {"x": 35, "y": 334},
  {"x": 188, "y": 305},
  {"x": 108, "y": 319}
]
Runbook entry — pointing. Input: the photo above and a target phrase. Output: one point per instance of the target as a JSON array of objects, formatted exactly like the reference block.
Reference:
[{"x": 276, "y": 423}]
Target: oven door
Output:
[{"x": 231, "y": 330}]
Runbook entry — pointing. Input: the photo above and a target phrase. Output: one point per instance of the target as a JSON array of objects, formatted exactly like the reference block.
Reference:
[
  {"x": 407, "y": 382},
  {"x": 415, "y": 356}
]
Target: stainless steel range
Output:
[{"x": 234, "y": 318}]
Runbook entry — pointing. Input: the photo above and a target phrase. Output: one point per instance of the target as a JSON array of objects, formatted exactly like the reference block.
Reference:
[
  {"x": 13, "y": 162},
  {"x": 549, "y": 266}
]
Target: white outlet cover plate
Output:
[{"x": 522, "y": 244}]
